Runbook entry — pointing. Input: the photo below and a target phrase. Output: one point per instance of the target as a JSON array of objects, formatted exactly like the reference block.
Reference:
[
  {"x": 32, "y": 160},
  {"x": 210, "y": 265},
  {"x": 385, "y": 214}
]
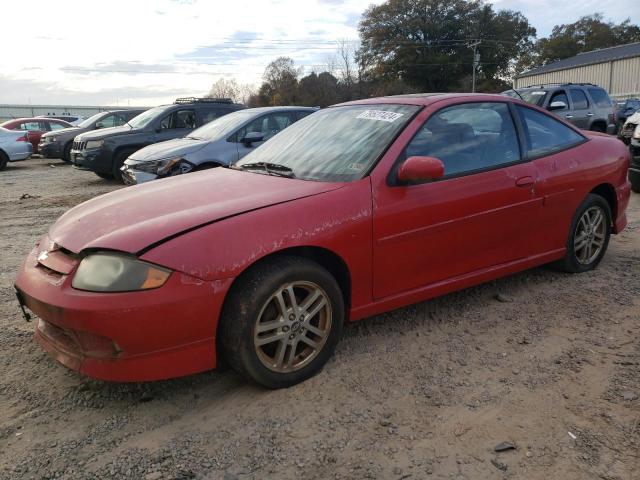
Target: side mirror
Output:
[
  {"x": 421, "y": 169},
  {"x": 252, "y": 137},
  {"x": 99, "y": 125},
  {"x": 557, "y": 105}
]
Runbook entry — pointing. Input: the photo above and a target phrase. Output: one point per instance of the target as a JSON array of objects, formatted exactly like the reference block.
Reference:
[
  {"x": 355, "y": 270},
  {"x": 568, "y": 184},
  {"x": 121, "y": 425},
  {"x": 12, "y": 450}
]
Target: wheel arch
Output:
[
  {"x": 598, "y": 125},
  {"x": 608, "y": 192},
  {"x": 328, "y": 259}
]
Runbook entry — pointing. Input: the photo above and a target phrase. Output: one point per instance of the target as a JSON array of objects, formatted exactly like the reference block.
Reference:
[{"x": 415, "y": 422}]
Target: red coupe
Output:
[
  {"x": 355, "y": 210},
  {"x": 35, "y": 127}
]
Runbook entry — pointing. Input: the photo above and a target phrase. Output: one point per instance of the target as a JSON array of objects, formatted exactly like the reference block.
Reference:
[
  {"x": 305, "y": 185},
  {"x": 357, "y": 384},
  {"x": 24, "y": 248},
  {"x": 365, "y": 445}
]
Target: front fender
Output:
[{"x": 339, "y": 221}]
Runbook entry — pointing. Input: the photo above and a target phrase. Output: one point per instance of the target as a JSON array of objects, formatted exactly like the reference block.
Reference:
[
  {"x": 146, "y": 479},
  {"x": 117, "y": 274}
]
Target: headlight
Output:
[
  {"x": 117, "y": 272},
  {"x": 51, "y": 139},
  {"x": 94, "y": 144},
  {"x": 159, "y": 167},
  {"x": 636, "y": 132}
]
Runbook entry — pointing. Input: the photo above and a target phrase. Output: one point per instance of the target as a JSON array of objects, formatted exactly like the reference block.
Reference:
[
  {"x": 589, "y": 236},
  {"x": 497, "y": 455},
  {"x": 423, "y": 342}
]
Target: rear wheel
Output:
[
  {"x": 597, "y": 127},
  {"x": 589, "y": 235},
  {"x": 4, "y": 160},
  {"x": 281, "y": 322},
  {"x": 66, "y": 152}
]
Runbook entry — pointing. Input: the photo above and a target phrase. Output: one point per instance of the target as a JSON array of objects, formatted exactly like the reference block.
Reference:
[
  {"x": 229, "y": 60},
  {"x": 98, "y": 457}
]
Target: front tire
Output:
[
  {"x": 281, "y": 321},
  {"x": 589, "y": 235},
  {"x": 66, "y": 152},
  {"x": 106, "y": 176},
  {"x": 118, "y": 162},
  {"x": 4, "y": 160}
]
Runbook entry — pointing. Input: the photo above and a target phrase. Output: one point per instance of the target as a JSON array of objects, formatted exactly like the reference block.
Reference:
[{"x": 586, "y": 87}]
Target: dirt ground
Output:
[{"x": 546, "y": 361}]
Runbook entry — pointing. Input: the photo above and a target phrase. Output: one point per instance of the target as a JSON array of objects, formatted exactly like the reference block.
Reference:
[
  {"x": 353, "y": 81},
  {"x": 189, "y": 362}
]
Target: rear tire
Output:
[
  {"x": 4, "y": 160},
  {"x": 281, "y": 321},
  {"x": 589, "y": 235},
  {"x": 598, "y": 128}
]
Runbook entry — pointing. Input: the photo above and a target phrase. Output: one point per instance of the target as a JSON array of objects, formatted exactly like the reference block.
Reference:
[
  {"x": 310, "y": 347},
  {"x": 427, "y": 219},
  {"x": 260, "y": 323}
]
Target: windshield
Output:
[
  {"x": 337, "y": 144},
  {"x": 221, "y": 127},
  {"x": 89, "y": 121},
  {"x": 145, "y": 118},
  {"x": 534, "y": 97}
]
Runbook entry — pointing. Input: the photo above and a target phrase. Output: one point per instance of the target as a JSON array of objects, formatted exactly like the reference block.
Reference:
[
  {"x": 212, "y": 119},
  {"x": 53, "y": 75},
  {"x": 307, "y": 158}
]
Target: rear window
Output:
[{"x": 600, "y": 97}]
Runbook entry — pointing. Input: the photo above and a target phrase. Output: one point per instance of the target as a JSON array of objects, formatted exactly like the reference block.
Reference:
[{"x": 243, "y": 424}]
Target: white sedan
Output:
[{"x": 14, "y": 146}]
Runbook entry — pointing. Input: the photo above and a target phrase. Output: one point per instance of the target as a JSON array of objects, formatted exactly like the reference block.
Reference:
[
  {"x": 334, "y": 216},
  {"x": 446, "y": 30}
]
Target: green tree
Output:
[
  {"x": 280, "y": 86},
  {"x": 425, "y": 43},
  {"x": 588, "y": 33}
]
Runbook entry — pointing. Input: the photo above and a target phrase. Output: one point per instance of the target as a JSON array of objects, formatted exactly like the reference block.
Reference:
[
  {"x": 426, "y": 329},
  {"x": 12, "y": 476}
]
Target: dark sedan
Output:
[{"x": 57, "y": 144}]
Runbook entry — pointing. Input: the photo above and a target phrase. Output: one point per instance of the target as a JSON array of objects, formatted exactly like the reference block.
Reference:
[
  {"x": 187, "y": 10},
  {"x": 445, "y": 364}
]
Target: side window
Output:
[
  {"x": 179, "y": 119},
  {"x": 580, "y": 101},
  {"x": 108, "y": 121},
  {"x": 210, "y": 115},
  {"x": 56, "y": 126},
  {"x": 468, "y": 137},
  {"x": 600, "y": 97},
  {"x": 268, "y": 125},
  {"x": 560, "y": 96},
  {"x": 119, "y": 119},
  {"x": 32, "y": 127},
  {"x": 303, "y": 113},
  {"x": 544, "y": 134}
]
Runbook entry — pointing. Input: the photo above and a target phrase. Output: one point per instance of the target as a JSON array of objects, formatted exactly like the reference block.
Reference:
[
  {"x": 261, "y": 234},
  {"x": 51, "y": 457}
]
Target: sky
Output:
[{"x": 148, "y": 52}]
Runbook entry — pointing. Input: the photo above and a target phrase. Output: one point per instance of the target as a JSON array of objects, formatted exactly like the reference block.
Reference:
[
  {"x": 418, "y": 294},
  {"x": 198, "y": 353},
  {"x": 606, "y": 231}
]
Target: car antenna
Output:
[{"x": 518, "y": 93}]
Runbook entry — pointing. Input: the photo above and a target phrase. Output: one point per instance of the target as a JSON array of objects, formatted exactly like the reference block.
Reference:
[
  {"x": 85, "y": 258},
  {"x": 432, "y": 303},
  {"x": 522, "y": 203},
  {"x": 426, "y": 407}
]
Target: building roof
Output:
[{"x": 588, "y": 58}]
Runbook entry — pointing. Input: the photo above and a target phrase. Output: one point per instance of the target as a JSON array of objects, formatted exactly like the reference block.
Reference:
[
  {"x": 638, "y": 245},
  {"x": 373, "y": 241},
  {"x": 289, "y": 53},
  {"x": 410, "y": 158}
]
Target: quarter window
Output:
[
  {"x": 544, "y": 134},
  {"x": 579, "y": 99},
  {"x": 32, "y": 127},
  {"x": 468, "y": 138},
  {"x": 600, "y": 97}
]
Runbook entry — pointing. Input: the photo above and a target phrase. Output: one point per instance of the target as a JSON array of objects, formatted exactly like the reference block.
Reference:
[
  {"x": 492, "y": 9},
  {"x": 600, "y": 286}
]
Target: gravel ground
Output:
[{"x": 543, "y": 360}]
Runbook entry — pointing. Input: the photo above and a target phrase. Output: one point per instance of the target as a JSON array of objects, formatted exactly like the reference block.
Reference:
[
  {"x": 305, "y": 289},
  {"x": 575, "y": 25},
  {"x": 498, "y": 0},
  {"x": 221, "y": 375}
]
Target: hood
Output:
[
  {"x": 63, "y": 131},
  {"x": 137, "y": 217},
  {"x": 168, "y": 149},
  {"x": 635, "y": 119},
  {"x": 103, "y": 133}
]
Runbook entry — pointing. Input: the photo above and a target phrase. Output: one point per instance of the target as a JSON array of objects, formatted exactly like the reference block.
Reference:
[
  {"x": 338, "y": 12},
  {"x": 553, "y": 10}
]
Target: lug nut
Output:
[
  {"x": 291, "y": 337},
  {"x": 292, "y": 317},
  {"x": 285, "y": 328}
]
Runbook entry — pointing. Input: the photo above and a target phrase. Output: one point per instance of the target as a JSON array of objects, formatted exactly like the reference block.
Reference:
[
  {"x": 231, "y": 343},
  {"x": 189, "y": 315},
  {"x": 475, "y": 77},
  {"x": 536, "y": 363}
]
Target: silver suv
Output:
[
  {"x": 585, "y": 105},
  {"x": 221, "y": 142}
]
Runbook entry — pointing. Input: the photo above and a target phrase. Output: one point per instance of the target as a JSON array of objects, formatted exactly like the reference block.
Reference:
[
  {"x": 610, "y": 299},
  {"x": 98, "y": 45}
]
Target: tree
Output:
[
  {"x": 319, "y": 90},
  {"x": 425, "y": 43},
  {"x": 238, "y": 92},
  {"x": 590, "y": 32},
  {"x": 280, "y": 85}
]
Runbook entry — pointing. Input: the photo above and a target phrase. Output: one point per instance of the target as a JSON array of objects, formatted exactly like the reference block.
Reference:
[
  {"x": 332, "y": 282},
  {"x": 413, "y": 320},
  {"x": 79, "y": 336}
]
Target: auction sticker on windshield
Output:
[{"x": 381, "y": 115}]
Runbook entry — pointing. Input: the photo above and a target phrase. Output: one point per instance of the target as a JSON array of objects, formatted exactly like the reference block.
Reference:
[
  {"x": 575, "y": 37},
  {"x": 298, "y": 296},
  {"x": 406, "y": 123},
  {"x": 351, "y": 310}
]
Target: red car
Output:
[
  {"x": 35, "y": 127},
  {"x": 355, "y": 210}
]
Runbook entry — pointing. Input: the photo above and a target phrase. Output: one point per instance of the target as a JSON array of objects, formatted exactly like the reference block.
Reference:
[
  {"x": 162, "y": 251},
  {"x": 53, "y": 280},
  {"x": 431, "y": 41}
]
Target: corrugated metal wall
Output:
[
  {"x": 21, "y": 111},
  {"x": 621, "y": 78}
]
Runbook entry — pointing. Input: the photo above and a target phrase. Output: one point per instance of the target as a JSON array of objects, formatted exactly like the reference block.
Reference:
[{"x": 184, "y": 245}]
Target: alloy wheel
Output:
[
  {"x": 590, "y": 235},
  {"x": 292, "y": 327}
]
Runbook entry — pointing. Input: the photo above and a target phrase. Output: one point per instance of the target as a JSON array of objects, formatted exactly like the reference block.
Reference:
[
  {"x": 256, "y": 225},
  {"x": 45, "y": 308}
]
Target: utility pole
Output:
[{"x": 476, "y": 62}]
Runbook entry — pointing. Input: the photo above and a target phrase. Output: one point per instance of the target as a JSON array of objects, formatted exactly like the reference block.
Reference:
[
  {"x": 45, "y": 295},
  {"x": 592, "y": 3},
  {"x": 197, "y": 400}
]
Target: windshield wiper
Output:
[{"x": 270, "y": 168}]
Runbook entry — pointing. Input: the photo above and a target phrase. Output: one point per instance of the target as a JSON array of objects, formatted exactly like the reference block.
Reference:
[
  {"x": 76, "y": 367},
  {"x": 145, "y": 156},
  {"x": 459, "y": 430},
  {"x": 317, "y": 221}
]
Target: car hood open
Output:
[
  {"x": 135, "y": 218},
  {"x": 168, "y": 149}
]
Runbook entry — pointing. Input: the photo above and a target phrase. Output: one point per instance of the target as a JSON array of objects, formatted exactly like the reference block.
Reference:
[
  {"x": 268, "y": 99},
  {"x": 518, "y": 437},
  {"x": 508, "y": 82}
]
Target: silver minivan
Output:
[{"x": 221, "y": 142}]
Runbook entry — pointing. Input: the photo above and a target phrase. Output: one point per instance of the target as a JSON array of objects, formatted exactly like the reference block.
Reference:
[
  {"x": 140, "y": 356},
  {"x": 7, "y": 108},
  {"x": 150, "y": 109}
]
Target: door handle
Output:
[
  {"x": 524, "y": 182},
  {"x": 590, "y": 114},
  {"x": 568, "y": 115}
]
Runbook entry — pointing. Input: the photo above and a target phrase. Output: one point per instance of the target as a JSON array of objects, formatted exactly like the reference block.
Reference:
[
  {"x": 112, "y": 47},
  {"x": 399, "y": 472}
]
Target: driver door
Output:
[
  {"x": 268, "y": 125},
  {"x": 480, "y": 214}
]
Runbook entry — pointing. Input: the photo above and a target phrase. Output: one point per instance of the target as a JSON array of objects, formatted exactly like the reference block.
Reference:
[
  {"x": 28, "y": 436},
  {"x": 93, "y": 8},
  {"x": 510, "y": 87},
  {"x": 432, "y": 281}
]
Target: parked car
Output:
[
  {"x": 58, "y": 144},
  {"x": 74, "y": 120},
  {"x": 221, "y": 142},
  {"x": 625, "y": 110},
  {"x": 585, "y": 105},
  {"x": 35, "y": 128},
  {"x": 104, "y": 151},
  {"x": 631, "y": 131},
  {"x": 14, "y": 147},
  {"x": 354, "y": 210},
  {"x": 628, "y": 128}
]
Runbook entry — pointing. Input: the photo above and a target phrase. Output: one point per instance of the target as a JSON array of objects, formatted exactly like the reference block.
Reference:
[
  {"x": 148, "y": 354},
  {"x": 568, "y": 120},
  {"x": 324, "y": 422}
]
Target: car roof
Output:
[
  {"x": 424, "y": 99},
  {"x": 283, "y": 108},
  {"x": 34, "y": 119}
]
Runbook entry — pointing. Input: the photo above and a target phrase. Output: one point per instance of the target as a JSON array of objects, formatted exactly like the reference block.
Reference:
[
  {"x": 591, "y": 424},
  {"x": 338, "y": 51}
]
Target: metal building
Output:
[
  {"x": 7, "y": 112},
  {"x": 616, "y": 69}
]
